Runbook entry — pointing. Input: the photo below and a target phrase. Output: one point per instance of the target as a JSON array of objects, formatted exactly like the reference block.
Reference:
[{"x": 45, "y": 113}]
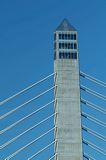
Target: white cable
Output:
[
  {"x": 27, "y": 145},
  {"x": 93, "y": 92},
  {"x": 92, "y": 105},
  {"x": 84, "y": 75},
  {"x": 86, "y": 155},
  {"x": 24, "y": 118},
  {"x": 26, "y": 89},
  {"x": 26, "y": 131},
  {"x": 27, "y": 102},
  {"x": 94, "y": 133},
  {"x": 93, "y": 119},
  {"x": 41, "y": 150},
  {"x": 52, "y": 157},
  {"x": 94, "y": 147}
]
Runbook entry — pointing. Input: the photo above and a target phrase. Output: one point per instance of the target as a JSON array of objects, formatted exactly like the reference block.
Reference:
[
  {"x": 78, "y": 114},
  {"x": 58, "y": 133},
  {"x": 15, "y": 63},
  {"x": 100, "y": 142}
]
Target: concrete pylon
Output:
[{"x": 68, "y": 119}]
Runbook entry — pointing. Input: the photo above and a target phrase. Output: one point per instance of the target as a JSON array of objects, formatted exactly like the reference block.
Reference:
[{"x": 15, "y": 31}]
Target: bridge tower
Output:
[{"x": 68, "y": 119}]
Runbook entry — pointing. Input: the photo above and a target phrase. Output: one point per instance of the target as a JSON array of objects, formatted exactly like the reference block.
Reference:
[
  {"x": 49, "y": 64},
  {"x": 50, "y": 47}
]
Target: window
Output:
[
  {"x": 72, "y": 46},
  {"x": 60, "y": 36},
  {"x": 72, "y": 36},
  {"x": 69, "y": 36},
  {"x": 60, "y": 55},
  {"x": 74, "y": 55},
  {"x": 66, "y": 36},
  {"x": 75, "y": 36},
  {"x": 75, "y": 45},
  {"x": 60, "y": 45},
  {"x": 69, "y": 45},
  {"x": 66, "y": 45},
  {"x": 67, "y": 55},
  {"x": 63, "y": 45}
]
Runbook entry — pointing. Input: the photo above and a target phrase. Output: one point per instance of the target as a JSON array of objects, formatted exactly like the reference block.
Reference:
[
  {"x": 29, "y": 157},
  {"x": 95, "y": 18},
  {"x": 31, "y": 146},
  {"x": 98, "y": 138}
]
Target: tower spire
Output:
[{"x": 65, "y": 26}]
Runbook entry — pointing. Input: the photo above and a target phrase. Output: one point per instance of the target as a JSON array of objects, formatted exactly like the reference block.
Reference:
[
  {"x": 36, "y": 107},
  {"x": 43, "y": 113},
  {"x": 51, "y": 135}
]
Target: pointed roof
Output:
[{"x": 65, "y": 26}]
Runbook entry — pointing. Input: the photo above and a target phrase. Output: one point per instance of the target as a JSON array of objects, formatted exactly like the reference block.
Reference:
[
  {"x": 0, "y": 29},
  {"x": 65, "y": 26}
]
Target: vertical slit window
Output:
[
  {"x": 59, "y": 55},
  {"x": 75, "y": 45},
  {"x": 65, "y": 36},
  {"x": 75, "y": 37},
  {"x": 60, "y": 45},
  {"x": 60, "y": 36},
  {"x": 66, "y": 45},
  {"x": 69, "y": 36},
  {"x": 74, "y": 55},
  {"x": 72, "y": 36},
  {"x": 68, "y": 55},
  {"x": 69, "y": 46},
  {"x": 72, "y": 47}
]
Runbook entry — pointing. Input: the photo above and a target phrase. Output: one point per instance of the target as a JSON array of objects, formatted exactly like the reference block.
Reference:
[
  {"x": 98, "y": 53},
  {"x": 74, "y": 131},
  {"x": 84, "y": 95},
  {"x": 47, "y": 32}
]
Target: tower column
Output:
[{"x": 68, "y": 119}]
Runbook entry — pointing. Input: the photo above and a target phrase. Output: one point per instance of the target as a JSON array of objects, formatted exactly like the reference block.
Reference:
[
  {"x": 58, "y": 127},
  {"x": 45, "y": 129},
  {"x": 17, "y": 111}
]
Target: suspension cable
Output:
[
  {"x": 94, "y": 147},
  {"x": 26, "y": 89},
  {"x": 24, "y": 118},
  {"x": 84, "y": 75},
  {"x": 90, "y": 91},
  {"x": 26, "y": 131},
  {"x": 94, "y": 133},
  {"x": 92, "y": 105},
  {"x": 41, "y": 150},
  {"x": 93, "y": 119},
  {"x": 88, "y": 157},
  {"x": 27, "y": 145},
  {"x": 26, "y": 103}
]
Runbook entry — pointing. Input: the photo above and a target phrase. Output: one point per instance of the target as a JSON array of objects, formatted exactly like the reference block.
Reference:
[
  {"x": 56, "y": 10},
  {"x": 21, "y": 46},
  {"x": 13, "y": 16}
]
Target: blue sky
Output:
[{"x": 26, "y": 44}]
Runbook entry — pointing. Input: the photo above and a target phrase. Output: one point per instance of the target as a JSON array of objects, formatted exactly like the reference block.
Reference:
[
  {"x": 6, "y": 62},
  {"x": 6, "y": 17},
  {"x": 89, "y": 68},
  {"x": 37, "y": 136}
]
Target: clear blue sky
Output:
[{"x": 26, "y": 46}]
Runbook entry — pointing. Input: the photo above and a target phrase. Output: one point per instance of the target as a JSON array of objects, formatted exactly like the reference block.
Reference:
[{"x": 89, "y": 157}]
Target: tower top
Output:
[{"x": 65, "y": 26}]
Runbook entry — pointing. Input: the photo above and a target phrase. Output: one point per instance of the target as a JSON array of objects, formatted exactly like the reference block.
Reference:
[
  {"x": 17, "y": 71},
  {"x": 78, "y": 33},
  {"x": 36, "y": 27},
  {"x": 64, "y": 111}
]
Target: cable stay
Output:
[
  {"x": 24, "y": 118},
  {"x": 88, "y": 90},
  {"x": 83, "y": 114},
  {"x": 94, "y": 133},
  {"x": 26, "y": 89},
  {"x": 26, "y": 103},
  {"x": 52, "y": 157},
  {"x": 27, "y": 145},
  {"x": 88, "y": 157},
  {"x": 26, "y": 131},
  {"x": 97, "y": 81},
  {"x": 95, "y": 147},
  {"x": 30, "y": 158},
  {"x": 94, "y": 106}
]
